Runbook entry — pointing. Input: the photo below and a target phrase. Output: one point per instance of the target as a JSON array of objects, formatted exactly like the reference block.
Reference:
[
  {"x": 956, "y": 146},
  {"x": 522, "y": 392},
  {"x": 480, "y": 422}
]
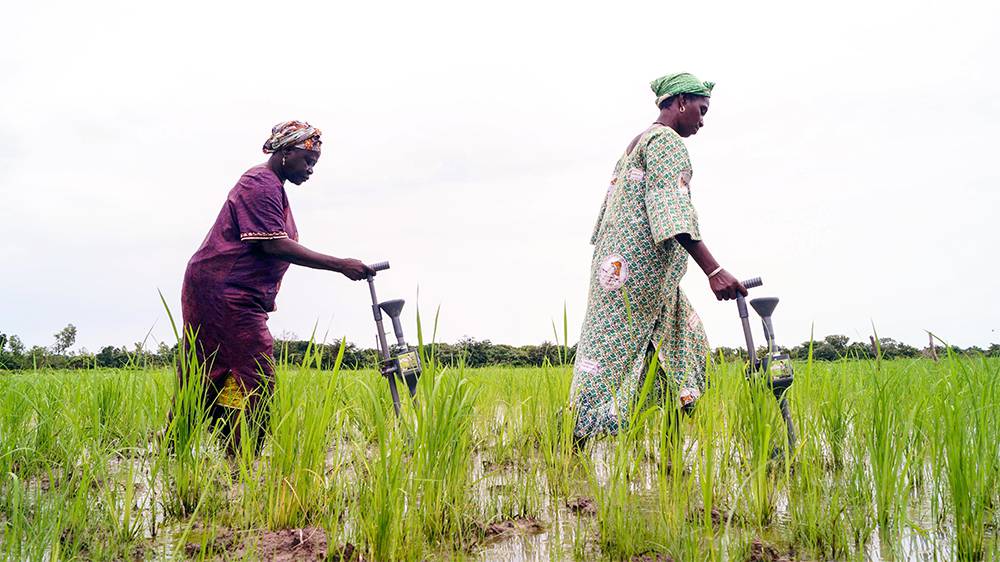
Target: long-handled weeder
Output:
[
  {"x": 399, "y": 360},
  {"x": 777, "y": 367}
]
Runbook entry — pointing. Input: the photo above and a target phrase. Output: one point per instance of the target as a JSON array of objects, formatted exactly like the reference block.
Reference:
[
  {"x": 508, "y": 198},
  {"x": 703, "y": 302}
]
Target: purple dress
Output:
[{"x": 230, "y": 284}]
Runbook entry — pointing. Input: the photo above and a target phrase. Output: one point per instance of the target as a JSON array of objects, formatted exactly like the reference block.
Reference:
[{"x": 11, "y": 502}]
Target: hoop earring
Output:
[
  {"x": 682, "y": 109},
  {"x": 282, "y": 161}
]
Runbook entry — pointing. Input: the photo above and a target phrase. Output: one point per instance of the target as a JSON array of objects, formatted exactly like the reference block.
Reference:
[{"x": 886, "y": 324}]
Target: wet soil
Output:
[
  {"x": 761, "y": 551},
  {"x": 511, "y": 527},
  {"x": 651, "y": 557},
  {"x": 582, "y": 506},
  {"x": 287, "y": 545}
]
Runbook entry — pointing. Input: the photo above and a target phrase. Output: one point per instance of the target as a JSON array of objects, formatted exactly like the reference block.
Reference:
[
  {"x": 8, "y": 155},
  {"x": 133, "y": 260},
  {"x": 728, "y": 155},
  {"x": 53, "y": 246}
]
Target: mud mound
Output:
[
  {"x": 761, "y": 551},
  {"x": 287, "y": 545},
  {"x": 582, "y": 506},
  {"x": 520, "y": 526},
  {"x": 651, "y": 557}
]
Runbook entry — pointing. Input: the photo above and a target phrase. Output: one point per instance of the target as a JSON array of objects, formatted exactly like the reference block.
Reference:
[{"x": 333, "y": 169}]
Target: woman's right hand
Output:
[
  {"x": 355, "y": 270},
  {"x": 725, "y": 286}
]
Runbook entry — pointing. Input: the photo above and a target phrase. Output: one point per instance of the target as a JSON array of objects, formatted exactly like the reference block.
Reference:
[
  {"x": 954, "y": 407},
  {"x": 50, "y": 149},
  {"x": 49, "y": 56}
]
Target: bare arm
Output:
[
  {"x": 724, "y": 285},
  {"x": 293, "y": 252}
]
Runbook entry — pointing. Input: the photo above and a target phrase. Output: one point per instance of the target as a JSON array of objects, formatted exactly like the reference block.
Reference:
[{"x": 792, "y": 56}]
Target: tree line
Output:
[{"x": 14, "y": 355}]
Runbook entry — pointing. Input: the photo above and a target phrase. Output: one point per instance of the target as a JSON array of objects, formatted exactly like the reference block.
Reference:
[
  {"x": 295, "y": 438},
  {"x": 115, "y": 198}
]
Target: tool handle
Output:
[
  {"x": 752, "y": 282},
  {"x": 379, "y": 266}
]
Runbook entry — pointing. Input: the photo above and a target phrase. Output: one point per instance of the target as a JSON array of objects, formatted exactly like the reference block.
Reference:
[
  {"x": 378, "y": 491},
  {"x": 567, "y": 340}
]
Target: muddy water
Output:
[
  {"x": 568, "y": 534},
  {"x": 555, "y": 531}
]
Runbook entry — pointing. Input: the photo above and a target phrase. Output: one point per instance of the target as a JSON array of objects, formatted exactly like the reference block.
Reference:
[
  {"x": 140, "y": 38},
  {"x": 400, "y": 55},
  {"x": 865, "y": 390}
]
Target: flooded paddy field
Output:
[{"x": 895, "y": 460}]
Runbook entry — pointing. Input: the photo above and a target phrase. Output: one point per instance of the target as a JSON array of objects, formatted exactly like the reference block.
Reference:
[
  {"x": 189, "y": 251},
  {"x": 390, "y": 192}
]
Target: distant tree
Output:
[
  {"x": 111, "y": 356},
  {"x": 540, "y": 354},
  {"x": 825, "y": 351},
  {"x": 729, "y": 354},
  {"x": 892, "y": 349},
  {"x": 38, "y": 357},
  {"x": 502, "y": 354},
  {"x": 994, "y": 350},
  {"x": 838, "y": 343},
  {"x": 65, "y": 339},
  {"x": 164, "y": 353},
  {"x": 16, "y": 346},
  {"x": 12, "y": 354},
  {"x": 859, "y": 350},
  {"x": 475, "y": 352}
]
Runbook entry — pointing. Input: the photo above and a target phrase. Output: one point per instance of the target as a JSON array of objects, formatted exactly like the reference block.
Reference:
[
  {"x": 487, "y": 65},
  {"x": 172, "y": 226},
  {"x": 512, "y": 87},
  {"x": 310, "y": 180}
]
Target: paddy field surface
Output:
[{"x": 895, "y": 460}]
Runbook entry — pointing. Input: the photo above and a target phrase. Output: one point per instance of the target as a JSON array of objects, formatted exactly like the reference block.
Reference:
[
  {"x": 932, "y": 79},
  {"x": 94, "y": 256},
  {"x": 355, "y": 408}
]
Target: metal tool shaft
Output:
[
  {"x": 741, "y": 304},
  {"x": 383, "y": 344}
]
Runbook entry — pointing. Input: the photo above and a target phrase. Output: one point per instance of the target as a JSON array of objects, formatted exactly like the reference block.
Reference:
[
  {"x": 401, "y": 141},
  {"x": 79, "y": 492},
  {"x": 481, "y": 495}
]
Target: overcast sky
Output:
[{"x": 849, "y": 157}]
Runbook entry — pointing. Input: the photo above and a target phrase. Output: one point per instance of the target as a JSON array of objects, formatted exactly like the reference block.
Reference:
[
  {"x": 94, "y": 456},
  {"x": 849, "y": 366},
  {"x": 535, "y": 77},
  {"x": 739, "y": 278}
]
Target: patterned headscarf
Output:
[
  {"x": 297, "y": 134},
  {"x": 679, "y": 83}
]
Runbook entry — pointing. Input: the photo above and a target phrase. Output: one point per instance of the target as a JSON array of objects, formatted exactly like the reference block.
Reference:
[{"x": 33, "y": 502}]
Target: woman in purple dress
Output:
[{"x": 231, "y": 281}]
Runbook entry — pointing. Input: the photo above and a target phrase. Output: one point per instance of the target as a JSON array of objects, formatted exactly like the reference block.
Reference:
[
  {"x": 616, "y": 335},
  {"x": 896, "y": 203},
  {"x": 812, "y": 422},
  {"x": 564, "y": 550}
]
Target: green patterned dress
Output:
[{"x": 635, "y": 302}]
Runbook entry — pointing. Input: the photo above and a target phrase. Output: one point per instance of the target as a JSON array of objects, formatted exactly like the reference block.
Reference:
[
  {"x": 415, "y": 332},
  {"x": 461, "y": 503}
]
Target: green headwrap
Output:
[{"x": 679, "y": 83}]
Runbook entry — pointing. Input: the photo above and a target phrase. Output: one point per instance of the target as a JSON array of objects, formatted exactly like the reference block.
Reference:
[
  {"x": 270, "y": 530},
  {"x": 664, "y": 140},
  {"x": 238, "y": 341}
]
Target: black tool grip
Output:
[
  {"x": 752, "y": 282},
  {"x": 379, "y": 266}
]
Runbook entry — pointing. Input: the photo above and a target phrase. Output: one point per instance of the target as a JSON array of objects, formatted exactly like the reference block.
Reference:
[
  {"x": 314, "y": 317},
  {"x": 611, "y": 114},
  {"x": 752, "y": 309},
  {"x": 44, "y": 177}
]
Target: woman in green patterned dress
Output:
[{"x": 645, "y": 232}]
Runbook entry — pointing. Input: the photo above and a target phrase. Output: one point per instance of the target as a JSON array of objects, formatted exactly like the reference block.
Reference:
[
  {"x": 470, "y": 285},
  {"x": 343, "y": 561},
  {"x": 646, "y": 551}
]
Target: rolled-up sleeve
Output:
[
  {"x": 668, "y": 189},
  {"x": 260, "y": 211}
]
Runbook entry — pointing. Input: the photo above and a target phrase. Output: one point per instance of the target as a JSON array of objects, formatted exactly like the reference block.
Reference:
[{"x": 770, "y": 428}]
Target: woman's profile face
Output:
[
  {"x": 298, "y": 164},
  {"x": 693, "y": 116}
]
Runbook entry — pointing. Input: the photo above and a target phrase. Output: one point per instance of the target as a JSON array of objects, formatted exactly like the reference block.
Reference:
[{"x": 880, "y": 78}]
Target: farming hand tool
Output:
[
  {"x": 398, "y": 360},
  {"x": 775, "y": 365}
]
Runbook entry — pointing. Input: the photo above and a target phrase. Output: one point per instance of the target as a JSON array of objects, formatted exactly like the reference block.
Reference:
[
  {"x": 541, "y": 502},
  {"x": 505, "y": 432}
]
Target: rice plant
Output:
[{"x": 117, "y": 464}]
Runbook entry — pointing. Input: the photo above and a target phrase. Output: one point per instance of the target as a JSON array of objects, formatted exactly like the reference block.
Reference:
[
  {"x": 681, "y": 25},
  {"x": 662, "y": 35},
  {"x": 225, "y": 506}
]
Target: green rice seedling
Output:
[
  {"x": 889, "y": 426},
  {"x": 15, "y": 524},
  {"x": 717, "y": 422},
  {"x": 674, "y": 483},
  {"x": 81, "y": 478},
  {"x": 109, "y": 417},
  {"x": 759, "y": 440},
  {"x": 516, "y": 494},
  {"x": 184, "y": 451},
  {"x": 622, "y": 531},
  {"x": 713, "y": 433},
  {"x": 836, "y": 409},
  {"x": 303, "y": 408},
  {"x": 122, "y": 513},
  {"x": 968, "y": 407},
  {"x": 442, "y": 449},
  {"x": 33, "y": 429},
  {"x": 14, "y": 429},
  {"x": 556, "y": 421},
  {"x": 73, "y": 531},
  {"x": 860, "y": 512},
  {"x": 918, "y": 386},
  {"x": 385, "y": 524},
  {"x": 500, "y": 421},
  {"x": 816, "y": 501}
]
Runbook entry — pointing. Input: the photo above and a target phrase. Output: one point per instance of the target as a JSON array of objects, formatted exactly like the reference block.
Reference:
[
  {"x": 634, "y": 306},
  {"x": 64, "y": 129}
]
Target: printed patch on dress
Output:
[
  {"x": 636, "y": 174},
  {"x": 613, "y": 272},
  {"x": 664, "y": 357},
  {"x": 693, "y": 320},
  {"x": 588, "y": 366},
  {"x": 684, "y": 182},
  {"x": 688, "y": 395},
  {"x": 611, "y": 187}
]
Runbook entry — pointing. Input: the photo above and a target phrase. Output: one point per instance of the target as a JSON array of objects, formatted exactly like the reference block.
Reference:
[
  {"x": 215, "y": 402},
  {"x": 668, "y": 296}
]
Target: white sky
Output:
[{"x": 849, "y": 157}]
